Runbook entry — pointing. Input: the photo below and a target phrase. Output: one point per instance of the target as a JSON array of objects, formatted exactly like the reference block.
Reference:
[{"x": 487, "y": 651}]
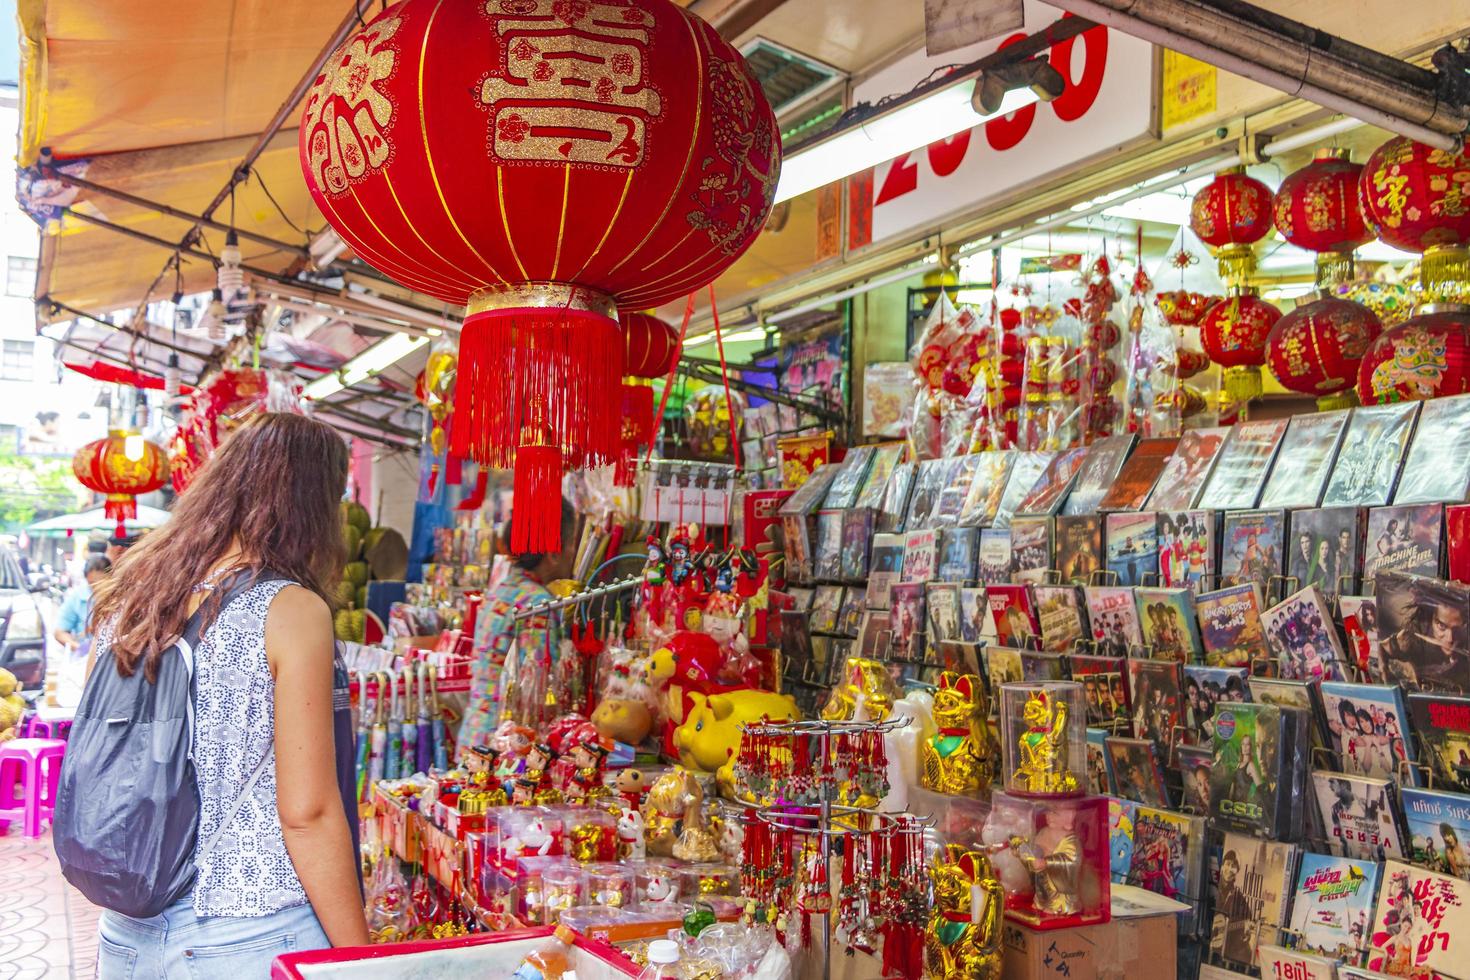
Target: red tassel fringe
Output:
[{"x": 536, "y": 511}]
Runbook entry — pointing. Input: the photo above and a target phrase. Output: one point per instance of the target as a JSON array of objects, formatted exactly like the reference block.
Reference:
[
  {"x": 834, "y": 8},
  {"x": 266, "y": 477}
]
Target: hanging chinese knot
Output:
[
  {"x": 541, "y": 162},
  {"x": 121, "y": 466}
]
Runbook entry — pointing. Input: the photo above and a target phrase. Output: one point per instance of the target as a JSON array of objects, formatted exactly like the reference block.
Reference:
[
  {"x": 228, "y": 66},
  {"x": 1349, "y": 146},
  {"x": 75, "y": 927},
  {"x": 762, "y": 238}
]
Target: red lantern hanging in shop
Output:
[
  {"x": 1414, "y": 198},
  {"x": 1425, "y": 357},
  {"x": 1317, "y": 209},
  {"x": 1233, "y": 333},
  {"x": 121, "y": 466},
  {"x": 1230, "y": 214},
  {"x": 1316, "y": 348},
  {"x": 541, "y": 161},
  {"x": 650, "y": 349}
]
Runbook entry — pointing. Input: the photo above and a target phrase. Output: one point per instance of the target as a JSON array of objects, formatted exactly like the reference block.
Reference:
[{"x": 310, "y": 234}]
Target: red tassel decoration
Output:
[{"x": 536, "y": 515}]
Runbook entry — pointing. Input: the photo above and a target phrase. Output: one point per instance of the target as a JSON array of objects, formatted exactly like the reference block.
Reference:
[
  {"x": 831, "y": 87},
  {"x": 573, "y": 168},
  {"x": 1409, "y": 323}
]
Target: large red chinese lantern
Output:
[
  {"x": 650, "y": 348},
  {"x": 121, "y": 466},
  {"x": 1414, "y": 197},
  {"x": 1317, "y": 209},
  {"x": 1316, "y": 348},
  {"x": 1425, "y": 357},
  {"x": 1230, "y": 214},
  {"x": 1233, "y": 332},
  {"x": 542, "y": 162}
]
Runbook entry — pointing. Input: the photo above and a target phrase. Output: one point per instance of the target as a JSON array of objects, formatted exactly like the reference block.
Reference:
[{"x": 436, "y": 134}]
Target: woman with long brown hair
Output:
[{"x": 258, "y": 527}]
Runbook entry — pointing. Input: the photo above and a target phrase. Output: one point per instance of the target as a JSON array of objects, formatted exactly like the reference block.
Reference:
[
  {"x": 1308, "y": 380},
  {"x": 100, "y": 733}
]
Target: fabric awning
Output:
[{"x": 95, "y": 520}]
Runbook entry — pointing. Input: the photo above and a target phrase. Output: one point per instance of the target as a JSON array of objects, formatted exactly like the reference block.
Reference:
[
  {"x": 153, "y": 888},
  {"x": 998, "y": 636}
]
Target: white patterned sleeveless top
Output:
[{"x": 248, "y": 873}]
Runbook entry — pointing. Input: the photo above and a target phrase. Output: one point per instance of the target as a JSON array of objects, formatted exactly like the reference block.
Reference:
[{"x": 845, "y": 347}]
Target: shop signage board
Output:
[{"x": 1109, "y": 102}]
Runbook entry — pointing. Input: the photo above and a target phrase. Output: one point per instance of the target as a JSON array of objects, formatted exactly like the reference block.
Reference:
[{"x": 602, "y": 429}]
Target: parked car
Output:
[{"x": 22, "y": 629}]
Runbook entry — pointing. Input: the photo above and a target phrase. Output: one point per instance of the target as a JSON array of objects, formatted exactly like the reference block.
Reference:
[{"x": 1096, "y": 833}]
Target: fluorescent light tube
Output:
[
  {"x": 384, "y": 354},
  {"x": 927, "y": 120}
]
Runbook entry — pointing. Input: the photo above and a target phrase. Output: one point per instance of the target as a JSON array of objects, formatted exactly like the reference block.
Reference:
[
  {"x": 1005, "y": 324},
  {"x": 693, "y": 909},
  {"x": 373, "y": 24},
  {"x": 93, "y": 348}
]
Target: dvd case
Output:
[
  {"x": 1301, "y": 634},
  {"x": 1324, "y": 549},
  {"x": 1437, "y": 467},
  {"x": 827, "y": 562},
  {"x": 1140, "y": 473},
  {"x": 1050, "y": 490},
  {"x": 1026, "y": 469},
  {"x": 994, "y": 564},
  {"x": 1403, "y": 539},
  {"x": 1240, "y": 471},
  {"x": 1357, "y": 815},
  {"x": 1251, "y": 896},
  {"x": 1187, "y": 549},
  {"x": 1421, "y": 925},
  {"x": 976, "y": 625},
  {"x": 1299, "y": 477},
  {"x": 857, "y": 534},
  {"x": 1188, "y": 468},
  {"x": 1014, "y": 615},
  {"x": 1424, "y": 633},
  {"x": 1437, "y": 830},
  {"x": 1367, "y": 468},
  {"x": 1442, "y": 722},
  {"x": 1255, "y": 771},
  {"x": 1132, "y": 546},
  {"x": 1170, "y": 629},
  {"x": 1078, "y": 548},
  {"x": 896, "y": 498},
  {"x": 1250, "y": 548},
  {"x": 959, "y": 549},
  {"x": 886, "y": 456},
  {"x": 942, "y": 611},
  {"x": 885, "y": 568},
  {"x": 1368, "y": 727},
  {"x": 1204, "y": 689},
  {"x": 1098, "y": 472},
  {"x": 920, "y": 555},
  {"x": 1113, "y": 615},
  {"x": 1105, "y": 688},
  {"x": 851, "y": 473},
  {"x": 1333, "y": 906},
  {"x": 1136, "y": 771},
  {"x": 987, "y": 487},
  {"x": 1059, "y": 609},
  {"x": 1155, "y": 692},
  {"x": 1030, "y": 548},
  {"x": 1230, "y": 625}
]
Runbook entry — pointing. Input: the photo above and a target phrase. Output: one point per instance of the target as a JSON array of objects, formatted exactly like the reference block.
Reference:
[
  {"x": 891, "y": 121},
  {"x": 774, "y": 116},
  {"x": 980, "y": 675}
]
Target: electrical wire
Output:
[{"x": 306, "y": 233}]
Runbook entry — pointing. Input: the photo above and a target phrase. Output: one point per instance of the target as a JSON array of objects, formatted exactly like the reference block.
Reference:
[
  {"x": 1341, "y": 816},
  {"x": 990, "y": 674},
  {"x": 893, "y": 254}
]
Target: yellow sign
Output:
[{"x": 1189, "y": 89}]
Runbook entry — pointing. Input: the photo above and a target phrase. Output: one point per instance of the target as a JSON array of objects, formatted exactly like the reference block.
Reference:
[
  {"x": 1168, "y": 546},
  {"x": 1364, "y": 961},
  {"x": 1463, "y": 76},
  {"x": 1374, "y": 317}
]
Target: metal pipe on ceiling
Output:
[
  {"x": 147, "y": 338},
  {"x": 356, "y": 319},
  {"x": 1317, "y": 73}
]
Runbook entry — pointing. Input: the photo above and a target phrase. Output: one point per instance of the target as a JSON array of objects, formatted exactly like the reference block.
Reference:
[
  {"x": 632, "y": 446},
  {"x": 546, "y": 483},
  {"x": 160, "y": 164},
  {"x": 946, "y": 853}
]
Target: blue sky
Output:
[{"x": 9, "y": 44}]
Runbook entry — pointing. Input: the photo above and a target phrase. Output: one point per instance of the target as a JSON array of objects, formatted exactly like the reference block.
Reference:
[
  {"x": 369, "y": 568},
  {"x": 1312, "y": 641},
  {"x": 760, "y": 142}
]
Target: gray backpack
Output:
[{"x": 127, "y": 808}]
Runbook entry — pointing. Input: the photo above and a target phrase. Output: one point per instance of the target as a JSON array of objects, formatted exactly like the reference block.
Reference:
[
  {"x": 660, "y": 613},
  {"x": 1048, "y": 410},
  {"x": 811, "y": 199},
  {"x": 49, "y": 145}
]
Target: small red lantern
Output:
[
  {"x": 1230, "y": 214},
  {"x": 1414, "y": 197},
  {"x": 1317, "y": 210},
  {"x": 1316, "y": 348},
  {"x": 542, "y": 162},
  {"x": 1427, "y": 356},
  {"x": 1234, "y": 333},
  {"x": 121, "y": 466},
  {"x": 650, "y": 349}
]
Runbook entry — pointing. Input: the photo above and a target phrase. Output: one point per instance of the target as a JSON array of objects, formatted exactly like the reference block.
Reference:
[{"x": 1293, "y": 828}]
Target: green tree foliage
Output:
[{"x": 33, "y": 488}]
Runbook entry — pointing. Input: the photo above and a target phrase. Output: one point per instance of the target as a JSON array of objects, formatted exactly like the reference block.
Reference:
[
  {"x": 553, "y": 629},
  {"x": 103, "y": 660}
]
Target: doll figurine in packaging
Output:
[
  {"x": 663, "y": 811},
  {"x": 1043, "y": 764},
  {"x": 1054, "y": 858},
  {"x": 962, "y": 942},
  {"x": 956, "y": 759}
]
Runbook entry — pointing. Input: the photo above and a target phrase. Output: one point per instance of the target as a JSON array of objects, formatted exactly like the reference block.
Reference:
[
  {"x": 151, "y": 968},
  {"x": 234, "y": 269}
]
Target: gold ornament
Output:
[
  {"x": 1043, "y": 748},
  {"x": 1056, "y": 871},
  {"x": 866, "y": 683},
  {"x": 956, "y": 760},
  {"x": 586, "y": 842},
  {"x": 962, "y": 942},
  {"x": 663, "y": 810}
]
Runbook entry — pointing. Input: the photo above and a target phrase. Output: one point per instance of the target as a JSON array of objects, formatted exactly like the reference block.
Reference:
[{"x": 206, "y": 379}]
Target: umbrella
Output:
[{"x": 95, "y": 520}]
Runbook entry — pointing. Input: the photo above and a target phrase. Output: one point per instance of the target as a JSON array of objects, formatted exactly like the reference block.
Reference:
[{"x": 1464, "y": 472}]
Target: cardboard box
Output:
[{"x": 1140, "y": 946}]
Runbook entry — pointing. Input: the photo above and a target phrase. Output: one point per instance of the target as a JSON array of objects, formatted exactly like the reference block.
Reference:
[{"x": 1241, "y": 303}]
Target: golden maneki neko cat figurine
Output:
[
  {"x": 866, "y": 690},
  {"x": 956, "y": 759},
  {"x": 1043, "y": 765},
  {"x": 960, "y": 941}
]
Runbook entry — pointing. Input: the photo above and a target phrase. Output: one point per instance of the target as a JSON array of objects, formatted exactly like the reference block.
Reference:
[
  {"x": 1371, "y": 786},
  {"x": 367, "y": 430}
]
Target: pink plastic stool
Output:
[
  {"x": 36, "y": 762},
  {"x": 40, "y": 729}
]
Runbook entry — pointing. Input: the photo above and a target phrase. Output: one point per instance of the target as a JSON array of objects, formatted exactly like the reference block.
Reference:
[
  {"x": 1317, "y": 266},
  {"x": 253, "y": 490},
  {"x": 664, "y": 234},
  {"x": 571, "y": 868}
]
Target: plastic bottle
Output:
[
  {"x": 553, "y": 961},
  {"x": 663, "y": 961}
]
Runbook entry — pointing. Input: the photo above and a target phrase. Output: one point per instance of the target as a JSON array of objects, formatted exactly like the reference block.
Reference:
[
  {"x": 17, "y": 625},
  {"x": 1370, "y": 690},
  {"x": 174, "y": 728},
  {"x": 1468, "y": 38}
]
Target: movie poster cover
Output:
[
  {"x": 1424, "y": 633},
  {"x": 955, "y": 490},
  {"x": 1368, "y": 728},
  {"x": 930, "y": 479},
  {"x": 1079, "y": 548},
  {"x": 907, "y": 619},
  {"x": 1002, "y": 666},
  {"x": 1280, "y": 961},
  {"x": 1132, "y": 542},
  {"x": 1014, "y": 615},
  {"x": 875, "y": 485},
  {"x": 1358, "y": 815},
  {"x": 1187, "y": 470},
  {"x": 1167, "y": 618},
  {"x": 1403, "y": 539},
  {"x": 1050, "y": 489},
  {"x": 1194, "y": 764},
  {"x": 1204, "y": 689},
  {"x": 942, "y": 609},
  {"x": 826, "y": 604},
  {"x": 1026, "y": 470},
  {"x": 850, "y": 616},
  {"x": 852, "y": 471},
  {"x": 857, "y": 532},
  {"x": 1030, "y": 548},
  {"x": 1155, "y": 693},
  {"x": 976, "y": 625},
  {"x": 896, "y": 498},
  {"x": 1438, "y": 824},
  {"x": 1139, "y": 475},
  {"x": 1421, "y": 925},
  {"x": 1240, "y": 472},
  {"x": 1039, "y": 665},
  {"x": 1293, "y": 694},
  {"x": 1333, "y": 906},
  {"x": 1442, "y": 722},
  {"x": 1136, "y": 771},
  {"x": 1245, "y": 786},
  {"x": 920, "y": 555},
  {"x": 1251, "y": 547},
  {"x": 1113, "y": 616},
  {"x": 1230, "y": 625},
  {"x": 1324, "y": 550},
  {"x": 959, "y": 549},
  {"x": 1437, "y": 467},
  {"x": 1251, "y": 896},
  {"x": 994, "y": 564},
  {"x": 875, "y": 638},
  {"x": 1168, "y": 857},
  {"x": 1098, "y": 782},
  {"x": 1367, "y": 468},
  {"x": 1060, "y": 612},
  {"x": 1104, "y": 688},
  {"x": 1120, "y": 837},
  {"x": 1457, "y": 542},
  {"x": 987, "y": 487},
  {"x": 1098, "y": 473},
  {"x": 1301, "y": 635},
  {"x": 827, "y": 562},
  {"x": 1304, "y": 463},
  {"x": 885, "y": 568},
  {"x": 1187, "y": 549}
]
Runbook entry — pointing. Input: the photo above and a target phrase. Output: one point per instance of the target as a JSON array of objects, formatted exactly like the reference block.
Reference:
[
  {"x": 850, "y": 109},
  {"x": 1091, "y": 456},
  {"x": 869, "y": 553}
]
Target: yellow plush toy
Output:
[{"x": 709, "y": 738}]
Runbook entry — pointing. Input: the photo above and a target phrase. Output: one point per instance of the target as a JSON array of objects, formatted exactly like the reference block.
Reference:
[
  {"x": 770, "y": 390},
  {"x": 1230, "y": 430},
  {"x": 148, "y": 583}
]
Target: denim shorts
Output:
[{"x": 177, "y": 945}]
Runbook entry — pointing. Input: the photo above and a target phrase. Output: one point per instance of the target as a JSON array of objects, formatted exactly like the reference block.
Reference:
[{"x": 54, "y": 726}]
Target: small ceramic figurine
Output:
[
  {"x": 534, "y": 839},
  {"x": 1043, "y": 765},
  {"x": 962, "y": 942},
  {"x": 1054, "y": 858},
  {"x": 956, "y": 759},
  {"x": 630, "y": 835},
  {"x": 660, "y": 887}
]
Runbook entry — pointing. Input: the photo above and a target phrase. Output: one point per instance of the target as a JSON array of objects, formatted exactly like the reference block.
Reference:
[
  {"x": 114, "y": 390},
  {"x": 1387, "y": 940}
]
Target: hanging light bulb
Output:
[
  {"x": 216, "y": 315},
  {"x": 133, "y": 447},
  {"x": 231, "y": 278},
  {"x": 171, "y": 378}
]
